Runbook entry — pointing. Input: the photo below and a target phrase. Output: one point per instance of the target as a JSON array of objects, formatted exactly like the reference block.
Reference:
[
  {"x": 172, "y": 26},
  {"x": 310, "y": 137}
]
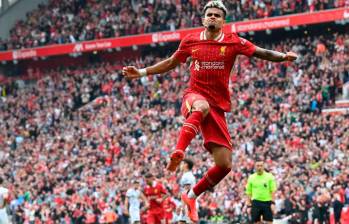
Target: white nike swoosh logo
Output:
[{"x": 194, "y": 50}]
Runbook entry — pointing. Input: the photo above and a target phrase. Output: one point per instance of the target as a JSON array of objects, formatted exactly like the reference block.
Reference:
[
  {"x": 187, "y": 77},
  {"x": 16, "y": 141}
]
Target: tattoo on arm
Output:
[{"x": 269, "y": 55}]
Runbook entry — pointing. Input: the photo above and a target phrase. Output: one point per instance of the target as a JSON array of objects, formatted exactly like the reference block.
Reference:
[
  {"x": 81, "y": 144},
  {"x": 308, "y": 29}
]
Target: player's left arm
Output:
[
  {"x": 273, "y": 187},
  {"x": 274, "y": 56},
  {"x": 144, "y": 199},
  {"x": 6, "y": 199},
  {"x": 162, "y": 194},
  {"x": 248, "y": 192}
]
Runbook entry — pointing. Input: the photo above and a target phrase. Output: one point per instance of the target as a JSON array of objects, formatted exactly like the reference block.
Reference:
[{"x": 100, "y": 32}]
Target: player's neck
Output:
[
  {"x": 212, "y": 35},
  {"x": 260, "y": 173}
]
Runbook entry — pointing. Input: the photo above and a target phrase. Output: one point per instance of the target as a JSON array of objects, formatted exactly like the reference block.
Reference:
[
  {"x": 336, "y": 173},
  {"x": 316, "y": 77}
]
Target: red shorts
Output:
[
  {"x": 214, "y": 127},
  {"x": 155, "y": 217}
]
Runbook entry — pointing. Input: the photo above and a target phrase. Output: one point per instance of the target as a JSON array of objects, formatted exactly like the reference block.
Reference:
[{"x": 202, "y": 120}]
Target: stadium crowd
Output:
[
  {"x": 73, "y": 141},
  {"x": 71, "y": 21}
]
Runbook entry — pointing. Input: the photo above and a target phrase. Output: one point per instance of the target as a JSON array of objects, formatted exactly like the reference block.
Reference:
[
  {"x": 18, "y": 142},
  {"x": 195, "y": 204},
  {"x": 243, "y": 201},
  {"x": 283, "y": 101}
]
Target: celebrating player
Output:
[
  {"x": 156, "y": 194},
  {"x": 207, "y": 98},
  {"x": 133, "y": 203}
]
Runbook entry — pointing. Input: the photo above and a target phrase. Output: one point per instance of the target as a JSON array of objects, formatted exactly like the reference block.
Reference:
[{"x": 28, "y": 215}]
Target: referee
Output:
[{"x": 260, "y": 190}]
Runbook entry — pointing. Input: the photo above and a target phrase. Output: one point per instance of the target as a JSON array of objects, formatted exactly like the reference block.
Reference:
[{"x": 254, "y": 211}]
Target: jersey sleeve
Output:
[
  {"x": 183, "y": 51},
  {"x": 162, "y": 189},
  {"x": 245, "y": 47},
  {"x": 272, "y": 184}
]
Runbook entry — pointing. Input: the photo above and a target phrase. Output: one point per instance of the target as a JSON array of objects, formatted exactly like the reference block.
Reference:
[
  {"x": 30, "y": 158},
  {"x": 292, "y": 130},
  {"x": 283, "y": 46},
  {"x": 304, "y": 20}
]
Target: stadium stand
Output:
[{"x": 61, "y": 22}]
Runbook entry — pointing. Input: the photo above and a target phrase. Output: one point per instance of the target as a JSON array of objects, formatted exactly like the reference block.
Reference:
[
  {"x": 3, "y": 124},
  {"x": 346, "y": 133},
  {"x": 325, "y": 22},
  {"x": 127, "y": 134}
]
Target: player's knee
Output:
[
  {"x": 203, "y": 106},
  {"x": 225, "y": 163}
]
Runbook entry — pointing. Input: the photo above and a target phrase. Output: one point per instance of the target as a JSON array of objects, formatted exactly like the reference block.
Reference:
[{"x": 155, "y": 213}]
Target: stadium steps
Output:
[{"x": 341, "y": 108}]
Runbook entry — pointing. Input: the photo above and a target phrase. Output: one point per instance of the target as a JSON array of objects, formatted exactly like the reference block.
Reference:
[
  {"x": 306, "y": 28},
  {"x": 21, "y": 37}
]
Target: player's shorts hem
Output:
[{"x": 229, "y": 147}]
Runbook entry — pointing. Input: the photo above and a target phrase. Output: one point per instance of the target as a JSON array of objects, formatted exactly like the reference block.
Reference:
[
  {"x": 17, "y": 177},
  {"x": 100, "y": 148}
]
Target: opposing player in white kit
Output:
[
  {"x": 186, "y": 182},
  {"x": 133, "y": 203},
  {"x": 4, "y": 199}
]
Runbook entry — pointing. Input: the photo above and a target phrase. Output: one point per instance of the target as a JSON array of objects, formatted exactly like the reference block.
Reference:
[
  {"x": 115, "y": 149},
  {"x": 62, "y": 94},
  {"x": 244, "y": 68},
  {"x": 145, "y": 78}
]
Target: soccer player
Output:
[
  {"x": 169, "y": 208},
  {"x": 186, "y": 182},
  {"x": 260, "y": 190},
  {"x": 207, "y": 98},
  {"x": 4, "y": 200},
  {"x": 133, "y": 203},
  {"x": 156, "y": 194}
]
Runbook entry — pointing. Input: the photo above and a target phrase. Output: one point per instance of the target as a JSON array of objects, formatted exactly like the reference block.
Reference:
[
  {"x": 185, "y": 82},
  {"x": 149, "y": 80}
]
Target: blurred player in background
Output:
[
  {"x": 207, "y": 98},
  {"x": 156, "y": 194},
  {"x": 133, "y": 199},
  {"x": 4, "y": 200},
  {"x": 260, "y": 190},
  {"x": 169, "y": 208},
  {"x": 186, "y": 182}
]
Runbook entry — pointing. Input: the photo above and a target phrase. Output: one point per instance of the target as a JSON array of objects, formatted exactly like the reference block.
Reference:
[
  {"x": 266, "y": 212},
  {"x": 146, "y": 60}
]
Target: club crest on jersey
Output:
[{"x": 222, "y": 52}]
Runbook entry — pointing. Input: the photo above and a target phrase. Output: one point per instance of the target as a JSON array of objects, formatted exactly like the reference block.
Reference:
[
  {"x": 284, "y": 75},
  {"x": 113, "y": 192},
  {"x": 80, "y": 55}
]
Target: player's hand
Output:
[
  {"x": 146, "y": 206},
  {"x": 291, "y": 56},
  {"x": 131, "y": 72}
]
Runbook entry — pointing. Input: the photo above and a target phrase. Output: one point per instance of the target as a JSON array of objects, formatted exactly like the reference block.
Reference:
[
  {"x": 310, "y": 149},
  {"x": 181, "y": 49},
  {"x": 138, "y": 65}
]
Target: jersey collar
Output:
[{"x": 219, "y": 38}]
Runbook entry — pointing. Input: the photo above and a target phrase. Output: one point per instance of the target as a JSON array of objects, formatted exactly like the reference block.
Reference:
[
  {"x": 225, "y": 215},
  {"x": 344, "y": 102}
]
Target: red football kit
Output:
[
  {"x": 169, "y": 207},
  {"x": 156, "y": 210},
  {"x": 212, "y": 62}
]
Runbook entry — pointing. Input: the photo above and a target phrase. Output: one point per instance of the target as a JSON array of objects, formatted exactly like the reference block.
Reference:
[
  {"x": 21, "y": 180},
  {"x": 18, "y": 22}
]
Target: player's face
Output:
[
  {"x": 259, "y": 167},
  {"x": 214, "y": 19},
  {"x": 149, "y": 180}
]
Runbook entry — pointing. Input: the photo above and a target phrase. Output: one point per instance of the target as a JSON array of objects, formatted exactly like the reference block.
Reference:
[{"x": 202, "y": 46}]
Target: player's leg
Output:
[
  {"x": 217, "y": 141},
  {"x": 151, "y": 218},
  {"x": 256, "y": 213},
  {"x": 267, "y": 213},
  {"x": 222, "y": 157},
  {"x": 135, "y": 215},
  {"x": 160, "y": 218},
  {"x": 223, "y": 164},
  {"x": 195, "y": 108}
]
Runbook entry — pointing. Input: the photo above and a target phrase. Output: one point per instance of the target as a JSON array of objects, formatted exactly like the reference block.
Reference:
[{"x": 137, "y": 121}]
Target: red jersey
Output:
[
  {"x": 169, "y": 207},
  {"x": 152, "y": 193},
  {"x": 212, "y": 62}
]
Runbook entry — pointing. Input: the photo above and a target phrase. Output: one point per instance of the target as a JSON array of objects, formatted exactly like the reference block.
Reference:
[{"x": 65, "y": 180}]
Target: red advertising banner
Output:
[
  {"x": 291, "y": 20},
  {"x": 169, "y": 36}
]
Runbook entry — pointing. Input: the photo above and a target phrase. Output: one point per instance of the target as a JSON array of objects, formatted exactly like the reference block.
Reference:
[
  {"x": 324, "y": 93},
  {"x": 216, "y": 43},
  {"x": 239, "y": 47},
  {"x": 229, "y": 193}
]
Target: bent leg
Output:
[{"x": 222, "y": 157}]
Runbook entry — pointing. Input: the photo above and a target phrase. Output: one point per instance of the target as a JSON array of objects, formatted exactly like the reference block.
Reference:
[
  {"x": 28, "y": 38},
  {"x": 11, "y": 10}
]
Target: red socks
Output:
[
  {"x": 211, "y": 178},
  {"x": 189, "y": 130}
]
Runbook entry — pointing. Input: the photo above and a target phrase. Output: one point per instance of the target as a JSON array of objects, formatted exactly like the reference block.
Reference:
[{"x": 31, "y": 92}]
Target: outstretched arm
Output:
[
  {"x": 161, "y": 67},
  {"x": 274, "y": 56}
]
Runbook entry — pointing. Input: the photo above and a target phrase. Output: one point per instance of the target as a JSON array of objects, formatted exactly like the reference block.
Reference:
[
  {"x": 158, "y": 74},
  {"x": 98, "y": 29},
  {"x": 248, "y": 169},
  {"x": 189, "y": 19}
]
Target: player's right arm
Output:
[
  {"x": 249, "y": 191},
  {"x": 182, "y": 53},
  {"x": 126, "y": 206},
  {"x": 144, "y": 199},
  {"x": 166, "y": 65}
]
